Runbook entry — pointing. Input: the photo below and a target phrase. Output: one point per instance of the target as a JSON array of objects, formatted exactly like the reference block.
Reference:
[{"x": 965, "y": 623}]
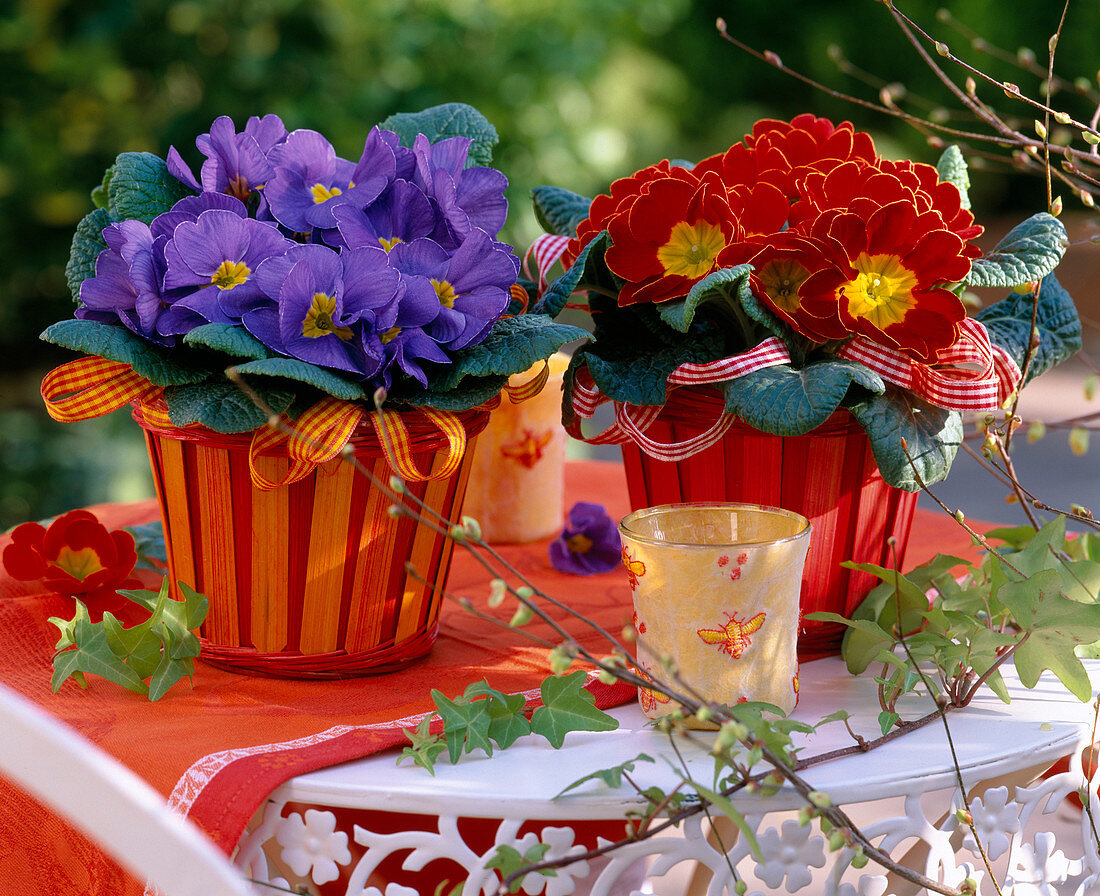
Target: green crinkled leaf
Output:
[
  {"x": 587, "y": 271},
  {"x": 725, "y": 286},
  {"x": 222, "y": 407},
  {"x": 448, "y": 120},
  {"x": 229, "y": 339},
  {"x": 512, "y": 346},
  {"x": 1029, "y": 251},
  {"x": 139, "y": 186},
  {"x": 87, "y": 243},
  {"x": 623, "y": 373},
  {"x": 790, "y": 402},
  {"x": 116, "y": 343},
  {"x": 1009, "y": 325},
  {"x": 149, "y": 544},
  {"x": 291, "y": 369},
  {"x": 567, "y": 706},
  {"x": 558, "y": 210},
  {"x": 932, "y": 436},
  {"x": 952, "y": 169},
  {"x": 471, "y": 392}
]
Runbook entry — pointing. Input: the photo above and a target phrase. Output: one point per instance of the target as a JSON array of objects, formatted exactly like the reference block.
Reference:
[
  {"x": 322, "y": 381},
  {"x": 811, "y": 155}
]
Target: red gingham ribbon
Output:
[
  {"x": 632, "y": 421},
  {"x": 990, "y": 377},
  {"x": 546, "y": 249}
]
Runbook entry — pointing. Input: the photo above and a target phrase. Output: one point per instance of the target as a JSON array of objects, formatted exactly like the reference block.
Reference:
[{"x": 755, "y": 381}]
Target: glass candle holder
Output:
[
  {"x": 716, "y": 593},
  {"x": 517, "y": 482}
]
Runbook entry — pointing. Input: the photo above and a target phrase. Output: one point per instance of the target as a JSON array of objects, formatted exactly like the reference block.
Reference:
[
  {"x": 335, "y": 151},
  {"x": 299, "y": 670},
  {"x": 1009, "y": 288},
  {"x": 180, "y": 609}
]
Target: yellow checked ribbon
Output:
[
  {"x": 318, "y": 436},
  {"x": 394, "y": 436},
  {"x": 532, "y": 387},
  {"x": 91, "y": 387}
]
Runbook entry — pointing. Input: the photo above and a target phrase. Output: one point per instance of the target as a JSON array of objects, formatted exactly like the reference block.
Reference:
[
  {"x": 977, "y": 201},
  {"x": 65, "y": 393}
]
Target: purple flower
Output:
[
  {"x": 401, "y": 214},
  {"x": 310, "y": 180},
  {"x": 465, "y": 198},
  {"x": 588, "y": 544},
  {"x": 236, "y": 164},
  {"x": 190, "y": 207},
  {"x": 469, "y": 287},
  {"x": 328, "y": 308},
  {"x": 216, "y": 255}
]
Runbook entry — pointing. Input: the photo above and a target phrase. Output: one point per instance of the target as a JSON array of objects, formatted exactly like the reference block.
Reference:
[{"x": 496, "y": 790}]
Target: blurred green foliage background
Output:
[{"x": 581, "y": 91}]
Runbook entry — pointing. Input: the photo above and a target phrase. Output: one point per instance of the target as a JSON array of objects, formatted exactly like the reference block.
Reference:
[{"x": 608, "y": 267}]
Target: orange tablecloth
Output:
[{"x": 205, "y": 745}]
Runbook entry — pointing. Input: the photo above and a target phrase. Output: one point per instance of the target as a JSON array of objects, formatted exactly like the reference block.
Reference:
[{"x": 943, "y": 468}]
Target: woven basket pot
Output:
[
  {"x": 828, "y": 475},
  {"x": 308, "y": 580}
]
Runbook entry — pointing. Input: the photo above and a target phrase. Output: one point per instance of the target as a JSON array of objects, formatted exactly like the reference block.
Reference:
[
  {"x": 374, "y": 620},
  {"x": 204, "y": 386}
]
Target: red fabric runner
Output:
[{"x": 220, "y": 746}]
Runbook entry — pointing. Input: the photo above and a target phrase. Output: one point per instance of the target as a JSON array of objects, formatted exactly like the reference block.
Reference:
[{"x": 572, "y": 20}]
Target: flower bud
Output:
[
  {"x": 472, "y": 528},
  {"x": 498, "y": 588},
  {"x": 397, "y": 485},
  {"x": 521, "y": 617},
  {"x": 560, "y": 659}
]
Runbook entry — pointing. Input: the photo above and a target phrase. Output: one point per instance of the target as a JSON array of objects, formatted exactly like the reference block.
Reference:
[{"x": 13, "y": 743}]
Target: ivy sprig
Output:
[
  {"x": 147, "y": 658},
  {"x": 483, "y": 718}
]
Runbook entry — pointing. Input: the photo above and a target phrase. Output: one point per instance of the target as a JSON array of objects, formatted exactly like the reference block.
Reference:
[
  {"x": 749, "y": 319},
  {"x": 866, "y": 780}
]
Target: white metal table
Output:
[{"x": 337, "y": 826}]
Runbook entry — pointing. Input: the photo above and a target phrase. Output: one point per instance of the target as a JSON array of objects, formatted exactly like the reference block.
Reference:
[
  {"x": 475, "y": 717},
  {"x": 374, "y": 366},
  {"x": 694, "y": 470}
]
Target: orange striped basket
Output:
[{"x": 308, "y": 580}]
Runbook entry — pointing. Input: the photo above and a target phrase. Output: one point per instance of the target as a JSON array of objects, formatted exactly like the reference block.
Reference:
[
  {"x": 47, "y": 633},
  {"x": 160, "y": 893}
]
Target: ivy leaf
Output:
[
  {"x": 139, "y": 186},
  {"x": 1057, "y": 625},
  {"x": 587, "y": 271},
  {"x": 425, "y": 745},
  {"x": 1009, "y": 325},
  {"x": 116, "y": 343},
  {"x": 228, "y": 339},
  {"x": 448, "y": 120},
  {"x": 222, "y": 407},
  {"x": 87, "y": 243},
  {"x": 790, "y": 402},
  {"x": 727, "y": 808},
  {"x": 952, "y": 169},
  {"x": 465, "y": 725},
  {"x": 310, "y": 374},
  {"x": 558, "y": 210},
  {"x": 567, "y": 706},
  {"x": 932, "y": 436},
  {"x": 508, "y": 861},
  {"x": 91, "y": 654},
  {"x": 507, "y": 721},
  {"x": 1029, "y": 251},
  {"x": 612, "y": 777},
  {"x": 512, "y": 346}
]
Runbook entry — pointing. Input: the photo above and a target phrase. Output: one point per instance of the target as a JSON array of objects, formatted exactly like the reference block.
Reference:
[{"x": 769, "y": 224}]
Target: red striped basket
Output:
[
  {"x": 828, "y": 475},
  {"x": 308, "y": 580}
]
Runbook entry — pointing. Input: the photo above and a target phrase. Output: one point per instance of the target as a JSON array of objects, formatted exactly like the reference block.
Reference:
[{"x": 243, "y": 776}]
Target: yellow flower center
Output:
[
  {"x": 882, "y": 292},
  {"x": 230, "y": 274},
  {"x": 691, "y": 249},
  {"x": 781, "y": 279},
  {"x": 578, "y": 544},
  {"x": 318, "y": 320},
  {"x": 79, "y": 564},
  {"x": 321, "y": 193},
  {"x": 446, "y": 293},
  {"x": 388, "y": 244},
  {"x": 389, "y": 335}
]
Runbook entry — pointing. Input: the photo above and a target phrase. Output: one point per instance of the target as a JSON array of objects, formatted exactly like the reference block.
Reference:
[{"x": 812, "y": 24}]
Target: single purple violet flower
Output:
[
  {"x": 588, "y": 544},
  {"x": 400, "y": 214}
]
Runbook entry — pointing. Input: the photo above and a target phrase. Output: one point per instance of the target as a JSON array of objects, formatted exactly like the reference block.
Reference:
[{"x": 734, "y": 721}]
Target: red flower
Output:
[
  {"x": 623, "y": 193},
  {"x": 886, "y": 279},
  {"x": 75, "y": 555},
  {"x": 670, "y": 238}
]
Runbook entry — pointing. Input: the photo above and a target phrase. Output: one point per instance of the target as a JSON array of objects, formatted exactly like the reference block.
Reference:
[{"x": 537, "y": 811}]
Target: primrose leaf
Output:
[
  {"x": 448, "y": 120},
  {"x": 228, "y": 339},
  {"x": 87, "y": 243},
  {"x": 116, "y": 343},
  {"x": 141, "y": 187},
  {"x": 932, "y": 436},
  {"x": 1029, "y": 251},
  {"x": 790, "y": 402},
  {"x": 291, "y": 369},
  {"x": 587, "y": 270},
  {"x": 612, "y": 777},
  {"x": 149, "y": 544},
  {"x": 725, "y": 286},
  {"x": 558, "y": 210},
  {"x": 471, "y": 392},
  {"x": 512, "y": 346},
  {"x": 567, "y": 706},
  {"x": 1009, "y": 325},
  {"x": 952, "y": 170},
  {"x": 222, "y": 407}
]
